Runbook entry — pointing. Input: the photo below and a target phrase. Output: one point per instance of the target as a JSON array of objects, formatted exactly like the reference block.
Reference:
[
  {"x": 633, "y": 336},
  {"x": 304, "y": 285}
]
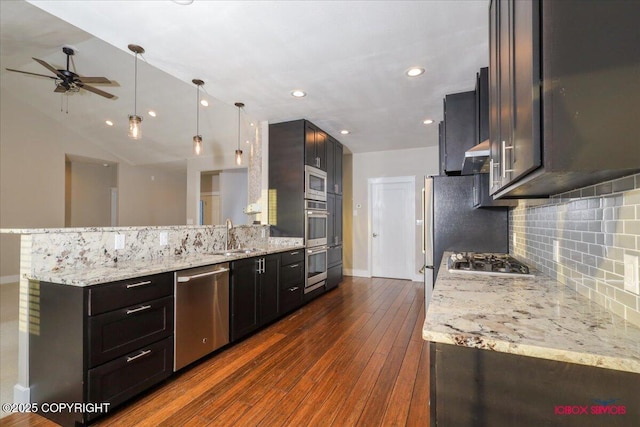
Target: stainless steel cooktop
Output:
[{"x": 487, "y": 263}]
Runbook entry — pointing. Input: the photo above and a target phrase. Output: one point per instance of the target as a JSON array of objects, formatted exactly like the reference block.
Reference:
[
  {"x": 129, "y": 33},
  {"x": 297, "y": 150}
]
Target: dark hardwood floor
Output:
[{"x": 354, "y": 356}]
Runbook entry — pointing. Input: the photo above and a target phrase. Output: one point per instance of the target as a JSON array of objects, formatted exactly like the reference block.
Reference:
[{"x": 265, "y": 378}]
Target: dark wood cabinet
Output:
[
  {"x": 291, "y": 280},
  {"x": 334, "y": 165},
  {"x": 315, "y": 146},
  {"x": 255, "y": 293},
  {"x": 106, "y": 343},
  {"x": 482, "y": 105},
  {"x": 563, "y": 101},
  {"x": 441, "y": 149},
  {"x": 459, "y": 130},
  {"x": 481, "y": 196}
]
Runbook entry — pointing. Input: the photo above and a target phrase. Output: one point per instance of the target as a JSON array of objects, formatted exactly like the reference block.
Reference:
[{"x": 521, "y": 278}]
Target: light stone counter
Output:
[
  {"x": 535, "y": 317},
  {"x": 137, "y": 268}
]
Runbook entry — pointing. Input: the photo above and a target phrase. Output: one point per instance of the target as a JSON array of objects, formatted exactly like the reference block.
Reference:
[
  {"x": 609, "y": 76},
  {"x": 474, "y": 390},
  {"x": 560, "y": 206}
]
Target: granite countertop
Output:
[
  {"x": 536, "y": 317},
  {"x": 131, "y": 269}
]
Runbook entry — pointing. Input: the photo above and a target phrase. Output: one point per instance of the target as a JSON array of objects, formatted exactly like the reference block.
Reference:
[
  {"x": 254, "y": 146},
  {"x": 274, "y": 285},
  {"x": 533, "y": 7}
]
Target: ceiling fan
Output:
[{"x": 68, "y": 81}]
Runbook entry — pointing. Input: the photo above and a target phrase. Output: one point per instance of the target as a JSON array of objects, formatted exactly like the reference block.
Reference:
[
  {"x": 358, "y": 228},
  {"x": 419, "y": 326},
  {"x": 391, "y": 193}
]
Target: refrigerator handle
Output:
[
  {"x": 423, "y": 219},
  {"x": 427, "y": 222}
]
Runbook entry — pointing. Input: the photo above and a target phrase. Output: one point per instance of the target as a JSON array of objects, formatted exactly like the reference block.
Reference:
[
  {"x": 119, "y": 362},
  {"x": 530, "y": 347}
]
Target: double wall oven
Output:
[{"x": 315, "y": 228}]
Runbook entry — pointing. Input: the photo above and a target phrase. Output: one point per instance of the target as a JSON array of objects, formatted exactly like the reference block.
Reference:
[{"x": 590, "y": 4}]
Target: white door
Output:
[{"x": 393, "y": 240}]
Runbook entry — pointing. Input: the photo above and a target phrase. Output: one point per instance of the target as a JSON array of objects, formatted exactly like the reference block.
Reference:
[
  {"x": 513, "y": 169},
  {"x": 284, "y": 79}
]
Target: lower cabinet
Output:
[
  {"x": 334, "y": 266},
  {"x": 255, "y": 298},
  {"x": 291, "y": 280},
  {"x": 101, "y": 344}
]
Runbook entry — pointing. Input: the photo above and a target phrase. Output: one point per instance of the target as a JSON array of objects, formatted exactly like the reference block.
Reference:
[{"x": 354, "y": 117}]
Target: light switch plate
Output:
[
  {"x": 164, "y": 238},
  {"x": 119, "y": 241},
  {"x": 631, "y": 280},
  {"x": 556, "y": 251}
]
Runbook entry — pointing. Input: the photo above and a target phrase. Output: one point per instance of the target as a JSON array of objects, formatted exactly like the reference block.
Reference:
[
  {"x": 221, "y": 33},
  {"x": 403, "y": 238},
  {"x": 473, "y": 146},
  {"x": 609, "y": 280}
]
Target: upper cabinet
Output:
[
  {"x": 334, "y": 165},
  {"x": 315, "y": 147},
  {"x": 563, "y": 95},
  {"x": 458, "y": 133}
]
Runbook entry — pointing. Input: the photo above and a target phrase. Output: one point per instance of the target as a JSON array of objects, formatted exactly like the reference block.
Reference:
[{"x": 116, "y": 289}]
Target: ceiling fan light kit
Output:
[
  {"x": 135, "y": 121},
  {"x": 67, "y": 81}
]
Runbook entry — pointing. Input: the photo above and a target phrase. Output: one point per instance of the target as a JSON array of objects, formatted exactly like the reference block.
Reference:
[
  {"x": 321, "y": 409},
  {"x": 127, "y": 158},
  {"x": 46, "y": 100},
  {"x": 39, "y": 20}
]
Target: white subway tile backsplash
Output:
[{"x": 595, "y": 226}]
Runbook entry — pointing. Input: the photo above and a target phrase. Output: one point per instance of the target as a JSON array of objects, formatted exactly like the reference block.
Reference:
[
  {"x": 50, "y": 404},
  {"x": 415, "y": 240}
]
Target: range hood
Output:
[{"x": 476, "y": 159}]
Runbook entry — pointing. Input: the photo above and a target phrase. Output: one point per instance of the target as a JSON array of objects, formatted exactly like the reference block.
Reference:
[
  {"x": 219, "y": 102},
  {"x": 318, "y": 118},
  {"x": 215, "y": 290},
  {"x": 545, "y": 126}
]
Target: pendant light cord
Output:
[
  {"x": 239, "y": 127},
  {"x": 135, "y": 87},
  {"x": 197, "y": 109}
]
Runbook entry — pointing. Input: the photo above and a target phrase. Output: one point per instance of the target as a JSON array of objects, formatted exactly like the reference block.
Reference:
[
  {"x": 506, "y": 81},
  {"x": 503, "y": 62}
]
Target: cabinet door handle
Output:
[
  {"x": 294, "y": 265},
  {"x": 141, "y": 308},
  {"x": 504, "y": 158},
  {"x": 139, "y": 355},
  {"x": 294, "y": 253},
  {"x": 295, "y": 288},
  {"x": 135, "y": 285}
]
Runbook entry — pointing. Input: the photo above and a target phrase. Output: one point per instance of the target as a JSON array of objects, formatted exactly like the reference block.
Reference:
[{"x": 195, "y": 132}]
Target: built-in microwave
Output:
[{"x": 315, "y": 183}]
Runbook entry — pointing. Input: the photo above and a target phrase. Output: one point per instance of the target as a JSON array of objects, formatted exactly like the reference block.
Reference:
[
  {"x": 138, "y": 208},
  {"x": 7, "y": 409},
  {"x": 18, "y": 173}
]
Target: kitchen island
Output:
[
  {"x": 528, "y": 351},
  {"x": 94, "y": 300}
]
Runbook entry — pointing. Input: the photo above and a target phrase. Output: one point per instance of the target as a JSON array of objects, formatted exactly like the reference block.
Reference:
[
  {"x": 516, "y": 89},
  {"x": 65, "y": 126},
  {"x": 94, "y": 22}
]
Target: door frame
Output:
[{"x": 387, "y": 180}]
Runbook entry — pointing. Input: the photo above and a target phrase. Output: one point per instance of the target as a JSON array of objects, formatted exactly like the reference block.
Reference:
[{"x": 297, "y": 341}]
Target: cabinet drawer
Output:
[
  {"x": 126, "y": 376},
  {"x": 103, "y": 298},
  {"x": 292, "y": 274},
  {"x": 121, "y": 331},
  {"x": 290, "y": 298},
  {"x": 292, "y": 257}
]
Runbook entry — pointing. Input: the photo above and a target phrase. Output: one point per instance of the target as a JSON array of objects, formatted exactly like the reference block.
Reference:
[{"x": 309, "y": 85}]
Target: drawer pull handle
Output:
[
  {"x": 135, "y": 310},
  {"x": 294, "y": 266},
  {"x": 137, "y": 356},
  {"x": 295, "y": 288},
  {"x": 135, "y": 285},
  {"x": 294, "y": 253}
]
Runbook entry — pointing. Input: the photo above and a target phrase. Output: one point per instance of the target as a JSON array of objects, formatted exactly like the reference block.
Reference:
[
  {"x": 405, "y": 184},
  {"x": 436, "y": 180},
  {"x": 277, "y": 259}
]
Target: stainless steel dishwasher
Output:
[{"x": 201, "y": 312}]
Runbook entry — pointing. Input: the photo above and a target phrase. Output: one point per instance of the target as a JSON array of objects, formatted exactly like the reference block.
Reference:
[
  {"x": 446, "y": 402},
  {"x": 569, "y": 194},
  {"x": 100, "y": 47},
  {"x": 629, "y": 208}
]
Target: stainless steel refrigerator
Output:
[{"x": 451, "y": 223}]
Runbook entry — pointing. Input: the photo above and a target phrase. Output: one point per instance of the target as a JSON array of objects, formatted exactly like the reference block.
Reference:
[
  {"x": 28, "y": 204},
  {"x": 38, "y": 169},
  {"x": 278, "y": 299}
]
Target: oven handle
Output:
[
  {"x": 323, "y": 213},
  {"x": 317, "y": 250}
]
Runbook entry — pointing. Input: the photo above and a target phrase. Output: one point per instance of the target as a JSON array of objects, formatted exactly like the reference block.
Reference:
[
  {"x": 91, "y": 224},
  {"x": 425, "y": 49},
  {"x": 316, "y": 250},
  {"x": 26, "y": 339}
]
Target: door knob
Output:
[{"x": 375, "y": 234}]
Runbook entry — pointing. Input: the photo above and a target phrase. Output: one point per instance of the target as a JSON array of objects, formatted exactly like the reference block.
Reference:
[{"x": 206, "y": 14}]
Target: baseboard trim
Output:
[
  {"x": 21, "y": 394},
  {"x": 357, "y": 273},
  {"x": 9, "y": 279}
]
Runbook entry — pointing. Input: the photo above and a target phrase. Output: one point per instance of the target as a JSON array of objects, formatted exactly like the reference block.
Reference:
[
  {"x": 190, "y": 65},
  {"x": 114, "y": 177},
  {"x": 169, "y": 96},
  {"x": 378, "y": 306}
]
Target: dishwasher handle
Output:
[{"x": 184, "y": 279}]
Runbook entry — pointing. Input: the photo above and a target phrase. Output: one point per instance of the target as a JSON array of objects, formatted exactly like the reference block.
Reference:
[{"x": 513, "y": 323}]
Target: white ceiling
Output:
[{"x": 349, "y": 56}]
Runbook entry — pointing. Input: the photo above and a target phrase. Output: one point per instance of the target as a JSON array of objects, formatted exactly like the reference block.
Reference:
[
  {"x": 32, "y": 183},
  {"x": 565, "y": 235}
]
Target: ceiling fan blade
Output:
[
  {"x": 95, "y": 80},
  {"x": 96, "y": 91},
  {"x": 32, "y": 74},
  {"x": 49, "y": 67}
]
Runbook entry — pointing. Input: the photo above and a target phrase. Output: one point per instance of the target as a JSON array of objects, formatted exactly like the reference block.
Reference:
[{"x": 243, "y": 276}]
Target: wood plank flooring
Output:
[{"x": 353, "y": 357}]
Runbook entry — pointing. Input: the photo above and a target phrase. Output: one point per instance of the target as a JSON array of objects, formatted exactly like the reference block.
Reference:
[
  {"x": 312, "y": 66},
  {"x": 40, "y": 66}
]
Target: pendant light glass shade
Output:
[
  {"x": 197, "y": 145},
  {"x": 135, "y": 121},
  {"x": 197, "y": 139},
  {"x": 135, "y": 130},
  {"x": 240, "y": 105}
]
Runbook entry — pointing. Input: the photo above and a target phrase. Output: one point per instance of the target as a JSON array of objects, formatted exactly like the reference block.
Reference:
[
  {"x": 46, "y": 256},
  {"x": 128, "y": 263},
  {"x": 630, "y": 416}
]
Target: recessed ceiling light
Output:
[
  {"x": 109, "y": 122},
  {"x": 183, "y": 2},
  {"x": 344, "y": 132},
  {"x": 428, "y": 122},
  {"x": 415, "y": 71},
  {"x": 106, "y": 165},
  {"x": 152, "y": 113},
  {"x": 298, "y": 93},
  {"x": 252, "y": 124},
  {"x": 204, "y": 103}
]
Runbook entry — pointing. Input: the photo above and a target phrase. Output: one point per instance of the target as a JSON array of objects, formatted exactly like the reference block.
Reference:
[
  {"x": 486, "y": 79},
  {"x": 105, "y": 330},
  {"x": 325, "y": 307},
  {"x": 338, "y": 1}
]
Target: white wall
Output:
[
  {"x": 418, "y": 162},
  {"x": 32, "y": 179}
]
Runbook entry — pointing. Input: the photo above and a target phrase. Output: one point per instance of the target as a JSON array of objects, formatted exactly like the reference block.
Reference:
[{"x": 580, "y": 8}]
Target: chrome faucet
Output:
[{"x": 229, "y": 226}]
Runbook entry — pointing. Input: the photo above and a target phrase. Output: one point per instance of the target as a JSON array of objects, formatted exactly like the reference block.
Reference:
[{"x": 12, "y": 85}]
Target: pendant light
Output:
[
  {"x": 135, "y": 129},
  {"x": 240, "y": 105},
  {"x": 197, "y": 139}
]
